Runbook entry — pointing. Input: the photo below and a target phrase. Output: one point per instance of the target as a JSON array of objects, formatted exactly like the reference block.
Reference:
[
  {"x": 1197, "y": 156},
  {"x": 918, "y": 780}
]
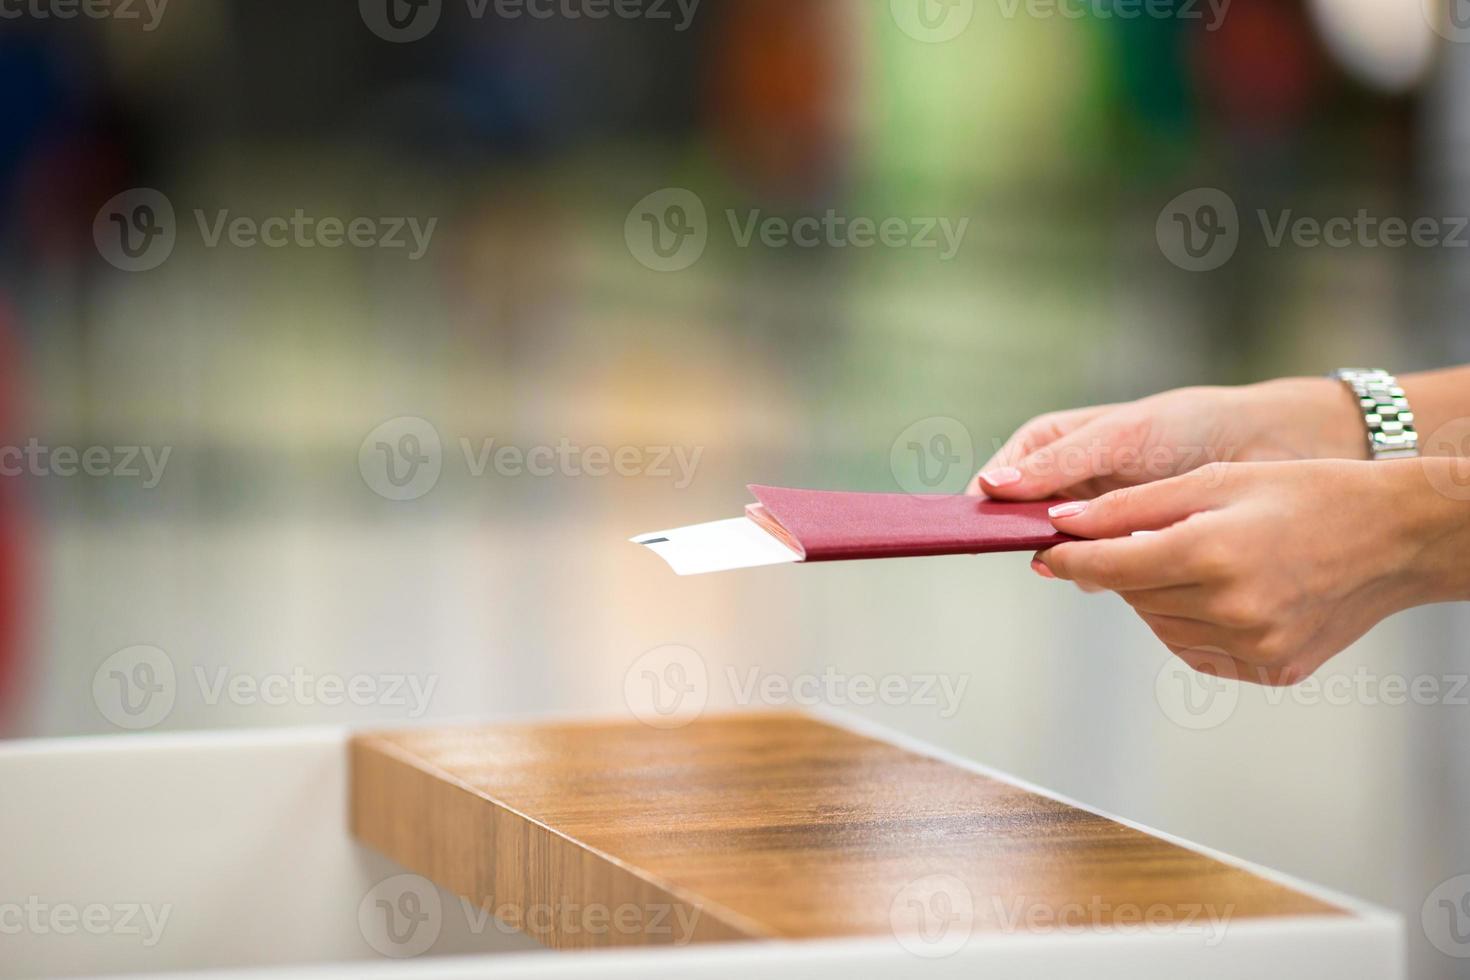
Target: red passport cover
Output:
[{"x": 829, "y": 525}]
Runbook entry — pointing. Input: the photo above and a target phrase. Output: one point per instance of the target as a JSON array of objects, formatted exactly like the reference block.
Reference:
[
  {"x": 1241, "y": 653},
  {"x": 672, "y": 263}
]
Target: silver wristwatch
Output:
[{"x": 1391, "y": 433}]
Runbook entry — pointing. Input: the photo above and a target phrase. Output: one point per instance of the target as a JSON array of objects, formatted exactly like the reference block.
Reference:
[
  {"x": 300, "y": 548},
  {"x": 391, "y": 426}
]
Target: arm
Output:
[
  {"x": 1089, "y": 451},
  {"x": 1272, "y": 568},
  {"x": 1275, "y": 567},
  {"x": 1441, "y": 399}
]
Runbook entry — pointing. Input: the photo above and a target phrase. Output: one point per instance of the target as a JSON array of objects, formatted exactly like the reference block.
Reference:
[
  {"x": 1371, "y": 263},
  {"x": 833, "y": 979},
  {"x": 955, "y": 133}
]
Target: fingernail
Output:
[
  {"x": 1039, "y": 567},
  {"x": 1070, "y": 509},
  {"x": 1002, "y": 476}
]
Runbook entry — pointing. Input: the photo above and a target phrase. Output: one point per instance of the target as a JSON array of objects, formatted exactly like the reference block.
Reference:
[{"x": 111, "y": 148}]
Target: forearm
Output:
[
  {"x": 1439, "y": 398},
  {"x": 1318, "y": 418},
  {"x": 1429, "y": 499}
]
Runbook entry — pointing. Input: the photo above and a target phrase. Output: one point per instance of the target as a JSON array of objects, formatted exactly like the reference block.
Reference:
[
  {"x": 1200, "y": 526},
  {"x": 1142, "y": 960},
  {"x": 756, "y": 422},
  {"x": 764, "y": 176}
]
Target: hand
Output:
[
  {"x": 1277, "y": 566},
  {"x": 1088, "y": 451}
]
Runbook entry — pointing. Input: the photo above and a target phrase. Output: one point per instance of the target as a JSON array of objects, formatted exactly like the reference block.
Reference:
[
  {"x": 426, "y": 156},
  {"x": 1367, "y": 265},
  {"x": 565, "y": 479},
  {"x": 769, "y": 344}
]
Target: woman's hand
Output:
[
  {"x": 1088, "y": 451},
  {"x": 1277, "y": 566}
]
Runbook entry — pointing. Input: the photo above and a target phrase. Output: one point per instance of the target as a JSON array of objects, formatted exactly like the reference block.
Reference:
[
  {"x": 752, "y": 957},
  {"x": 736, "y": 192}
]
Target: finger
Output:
[
  {"x": 1148, "y": 507},
  {"x": 1005, "y": 474},
  {"x": 1041, "y": 431},
  {"x": 1153, "y": 561}
]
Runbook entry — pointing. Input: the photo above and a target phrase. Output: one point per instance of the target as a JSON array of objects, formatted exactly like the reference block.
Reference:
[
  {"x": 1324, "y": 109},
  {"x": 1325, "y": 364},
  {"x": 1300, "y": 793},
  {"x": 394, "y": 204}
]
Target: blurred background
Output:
[{"x": 328, "y": 496}]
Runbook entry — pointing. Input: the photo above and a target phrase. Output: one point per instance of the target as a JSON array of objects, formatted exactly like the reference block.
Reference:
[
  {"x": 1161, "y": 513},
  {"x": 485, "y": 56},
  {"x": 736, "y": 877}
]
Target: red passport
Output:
[{"x": 789, "y": 525}]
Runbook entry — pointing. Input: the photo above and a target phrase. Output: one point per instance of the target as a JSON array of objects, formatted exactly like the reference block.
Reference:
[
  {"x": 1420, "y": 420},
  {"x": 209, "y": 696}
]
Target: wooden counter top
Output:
[{"x": 763, "y": 825}]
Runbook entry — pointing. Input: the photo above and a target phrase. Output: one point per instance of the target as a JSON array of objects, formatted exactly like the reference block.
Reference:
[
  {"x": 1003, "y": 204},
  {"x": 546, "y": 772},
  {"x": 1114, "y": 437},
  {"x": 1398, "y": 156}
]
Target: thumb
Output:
[
  {"x": 1148, "y": 507},
  {"x": 1046, "y": 472}
]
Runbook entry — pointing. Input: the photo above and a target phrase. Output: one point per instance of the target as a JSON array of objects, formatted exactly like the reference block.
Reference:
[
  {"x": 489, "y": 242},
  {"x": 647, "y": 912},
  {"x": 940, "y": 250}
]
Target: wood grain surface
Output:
[{"x": 764, "y": 825}]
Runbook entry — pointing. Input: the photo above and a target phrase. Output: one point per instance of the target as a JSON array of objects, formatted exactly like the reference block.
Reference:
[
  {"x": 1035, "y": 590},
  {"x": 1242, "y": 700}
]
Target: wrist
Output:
[
  {"x": 1429, "y": 504},
  {"x": 1438, "y": 399},
  {"x": 1306, "y": 418}
]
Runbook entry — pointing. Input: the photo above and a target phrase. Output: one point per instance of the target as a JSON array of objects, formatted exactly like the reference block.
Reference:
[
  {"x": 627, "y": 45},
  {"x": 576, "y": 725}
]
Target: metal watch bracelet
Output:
[{"x": 1386, "y": 411}]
